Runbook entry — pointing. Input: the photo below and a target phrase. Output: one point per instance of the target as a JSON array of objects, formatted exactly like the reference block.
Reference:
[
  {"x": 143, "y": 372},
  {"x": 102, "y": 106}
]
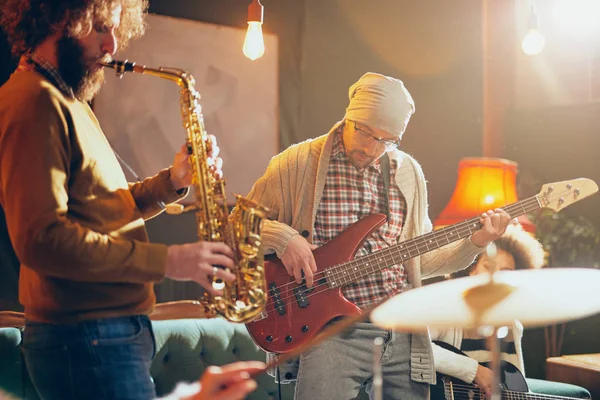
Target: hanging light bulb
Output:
[
  {"x": 533, "y": 43},
  {"x": 254, "y": 44}
]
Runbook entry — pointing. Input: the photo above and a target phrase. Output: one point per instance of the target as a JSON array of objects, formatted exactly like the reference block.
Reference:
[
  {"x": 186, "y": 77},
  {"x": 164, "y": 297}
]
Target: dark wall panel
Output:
[{"x": 558, "y": 143}]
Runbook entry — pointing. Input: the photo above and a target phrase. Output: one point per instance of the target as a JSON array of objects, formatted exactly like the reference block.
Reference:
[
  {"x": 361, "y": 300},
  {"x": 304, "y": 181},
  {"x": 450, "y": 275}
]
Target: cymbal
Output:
[{"x": 534, "y": 297}]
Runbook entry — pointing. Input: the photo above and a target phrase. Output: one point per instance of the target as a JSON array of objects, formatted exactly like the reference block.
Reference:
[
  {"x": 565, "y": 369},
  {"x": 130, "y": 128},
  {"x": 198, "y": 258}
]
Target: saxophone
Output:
[{"x": 244, "y": 299}]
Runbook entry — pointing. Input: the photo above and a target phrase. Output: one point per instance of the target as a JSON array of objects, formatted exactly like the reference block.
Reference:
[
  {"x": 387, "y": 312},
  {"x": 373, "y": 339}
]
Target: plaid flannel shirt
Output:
[{"x": 349, "y": 195}]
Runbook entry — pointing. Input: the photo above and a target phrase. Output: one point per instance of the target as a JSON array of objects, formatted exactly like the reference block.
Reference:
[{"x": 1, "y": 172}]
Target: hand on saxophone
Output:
[
  {"x": 181, "y": 171},
  {"x": 198, "y": 262}
]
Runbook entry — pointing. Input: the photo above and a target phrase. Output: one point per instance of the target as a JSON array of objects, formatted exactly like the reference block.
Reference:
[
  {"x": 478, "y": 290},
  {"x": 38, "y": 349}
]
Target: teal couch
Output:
[{"x": 185, "y": 347}]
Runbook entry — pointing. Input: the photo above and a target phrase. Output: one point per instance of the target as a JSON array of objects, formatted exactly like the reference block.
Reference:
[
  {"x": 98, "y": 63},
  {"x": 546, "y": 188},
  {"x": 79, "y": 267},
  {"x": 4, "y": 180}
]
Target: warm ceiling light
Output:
[
  {"x": 254, "y": 44},
  {"x": 533, "y": 43}
]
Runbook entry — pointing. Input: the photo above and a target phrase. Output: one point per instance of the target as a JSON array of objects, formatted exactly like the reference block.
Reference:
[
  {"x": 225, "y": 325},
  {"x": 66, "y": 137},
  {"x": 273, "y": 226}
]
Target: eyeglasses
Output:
[{"x": 367, "y": 138}]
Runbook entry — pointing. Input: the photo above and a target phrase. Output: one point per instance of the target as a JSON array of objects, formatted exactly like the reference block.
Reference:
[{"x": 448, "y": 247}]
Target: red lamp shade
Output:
[{"x": 483, "y": 184}]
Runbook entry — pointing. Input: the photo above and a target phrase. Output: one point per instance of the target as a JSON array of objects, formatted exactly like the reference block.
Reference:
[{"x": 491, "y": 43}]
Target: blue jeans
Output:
[{"x": 97, "y": 359}]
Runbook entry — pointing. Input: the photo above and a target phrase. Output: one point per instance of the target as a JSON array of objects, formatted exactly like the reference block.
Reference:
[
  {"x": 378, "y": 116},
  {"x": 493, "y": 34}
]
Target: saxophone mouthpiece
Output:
[
  {"x": 108, "y": 64},
  {"x": 120, "y": 67}
]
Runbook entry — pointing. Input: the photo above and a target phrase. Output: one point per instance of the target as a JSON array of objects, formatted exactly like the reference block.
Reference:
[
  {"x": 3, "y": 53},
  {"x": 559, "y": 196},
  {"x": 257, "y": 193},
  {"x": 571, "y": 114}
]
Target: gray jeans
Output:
[{"x": 339, "y": 367}]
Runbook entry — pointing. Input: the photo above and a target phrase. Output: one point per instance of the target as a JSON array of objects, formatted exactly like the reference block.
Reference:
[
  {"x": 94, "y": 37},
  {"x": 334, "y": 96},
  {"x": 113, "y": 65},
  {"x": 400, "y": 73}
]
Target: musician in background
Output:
[
  {"x": 317, "y": 188},
  {"x": 515, "y": 250},
  {"x": 77, "y": 226}
]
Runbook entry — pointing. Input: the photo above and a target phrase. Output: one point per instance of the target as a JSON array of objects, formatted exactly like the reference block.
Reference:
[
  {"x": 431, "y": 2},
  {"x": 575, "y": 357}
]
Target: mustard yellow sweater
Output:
[{"x": 76, "y": 225}]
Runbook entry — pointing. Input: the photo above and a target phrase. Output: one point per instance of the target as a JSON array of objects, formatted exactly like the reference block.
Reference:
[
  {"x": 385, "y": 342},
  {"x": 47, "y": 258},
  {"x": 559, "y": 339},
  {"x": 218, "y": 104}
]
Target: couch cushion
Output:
[
  {"x": 13, "y": 373},
  {"x": 11, "y": 377},
  {"x": 185, "y": 347},
  {"x": 557, "y": 389}
]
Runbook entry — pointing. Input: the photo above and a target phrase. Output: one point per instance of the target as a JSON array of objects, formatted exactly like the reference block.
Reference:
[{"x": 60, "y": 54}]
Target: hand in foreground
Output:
[
  {"x": 181, "y": 171},
  {"x": 230, "y": 382},
  {"x": 197, "y": 262},
  {"x": 484, "y": 378},
  {"x": 298, "y": 258},
  {"x": 494, "y": 224}
]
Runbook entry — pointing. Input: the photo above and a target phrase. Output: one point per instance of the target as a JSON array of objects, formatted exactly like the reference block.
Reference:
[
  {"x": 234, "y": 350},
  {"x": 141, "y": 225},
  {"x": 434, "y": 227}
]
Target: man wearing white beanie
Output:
[{"x": 316, "y": 189}]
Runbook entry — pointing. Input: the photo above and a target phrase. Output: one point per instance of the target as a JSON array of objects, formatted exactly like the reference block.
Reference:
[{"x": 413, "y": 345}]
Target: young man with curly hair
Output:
[
  {"x": 515, "y": 250},
  {"x": 77, "y": 226}
]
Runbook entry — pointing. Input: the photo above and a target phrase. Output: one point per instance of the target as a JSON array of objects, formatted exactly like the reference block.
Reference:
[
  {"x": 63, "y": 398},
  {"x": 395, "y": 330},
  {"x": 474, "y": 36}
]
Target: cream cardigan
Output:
[{"x": 292, "y": 187}]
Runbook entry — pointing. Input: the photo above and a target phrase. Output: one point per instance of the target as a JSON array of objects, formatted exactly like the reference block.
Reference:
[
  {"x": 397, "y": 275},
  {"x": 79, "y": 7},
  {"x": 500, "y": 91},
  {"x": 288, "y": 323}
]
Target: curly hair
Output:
[
  {"x": 525, "y": 249},
  {"x": 27, "y": 23}
]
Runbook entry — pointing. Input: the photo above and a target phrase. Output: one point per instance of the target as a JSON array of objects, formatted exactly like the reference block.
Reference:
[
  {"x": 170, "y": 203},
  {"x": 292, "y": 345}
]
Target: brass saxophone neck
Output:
[{"x": 180, "y": 76}]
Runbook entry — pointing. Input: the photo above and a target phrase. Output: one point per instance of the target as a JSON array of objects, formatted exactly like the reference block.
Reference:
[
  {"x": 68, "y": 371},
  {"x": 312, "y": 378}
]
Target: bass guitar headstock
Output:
[{"x": 559, "y": 195}]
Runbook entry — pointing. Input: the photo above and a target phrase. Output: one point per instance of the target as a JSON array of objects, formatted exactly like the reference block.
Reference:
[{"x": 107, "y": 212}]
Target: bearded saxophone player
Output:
[{"x": 87, "y": 267}]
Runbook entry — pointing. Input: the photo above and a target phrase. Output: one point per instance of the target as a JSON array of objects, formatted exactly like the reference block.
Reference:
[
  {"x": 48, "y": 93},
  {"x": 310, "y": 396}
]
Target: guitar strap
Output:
[{"x": 385, "y": 172}]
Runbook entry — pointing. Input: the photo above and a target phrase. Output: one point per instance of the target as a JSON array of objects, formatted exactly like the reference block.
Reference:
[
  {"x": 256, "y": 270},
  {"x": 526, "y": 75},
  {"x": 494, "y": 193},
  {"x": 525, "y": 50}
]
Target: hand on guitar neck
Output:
[{"x": 494, "y": 224}]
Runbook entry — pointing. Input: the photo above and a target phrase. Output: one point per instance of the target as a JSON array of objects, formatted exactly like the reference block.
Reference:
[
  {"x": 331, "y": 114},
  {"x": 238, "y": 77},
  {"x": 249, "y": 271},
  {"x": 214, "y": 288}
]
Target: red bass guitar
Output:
[{"x": 294, "y": 314}]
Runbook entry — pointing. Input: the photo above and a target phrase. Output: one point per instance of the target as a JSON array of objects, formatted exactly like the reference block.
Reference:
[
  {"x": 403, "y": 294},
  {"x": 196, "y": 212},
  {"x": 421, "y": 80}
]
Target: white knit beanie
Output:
[{"x": 380, "y": 101}]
